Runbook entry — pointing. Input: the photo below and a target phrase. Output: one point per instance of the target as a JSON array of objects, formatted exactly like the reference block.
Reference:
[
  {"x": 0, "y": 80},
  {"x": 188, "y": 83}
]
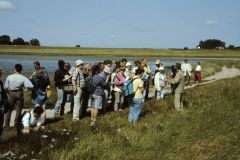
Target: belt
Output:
[{"x": 15, "y": 90}]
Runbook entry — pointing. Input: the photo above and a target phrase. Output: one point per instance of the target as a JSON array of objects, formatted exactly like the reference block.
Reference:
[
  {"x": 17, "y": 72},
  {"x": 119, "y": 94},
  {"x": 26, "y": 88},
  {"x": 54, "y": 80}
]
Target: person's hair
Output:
[
  {"x": 38, "y": 110},
  {"x": 1, "y": 70},
  {"x": 123, "y": 60},
  {"x": 178, "y": 66},
  {"x": 36, "y": 63},
  {"x": 186, "y": 60},
  {"x": 61, "y": 64},
  {"x": 198, "y": 63},
  {"x": 139, "y": 71},
  {"x": 95, "y": 69},
  {"x": 106, "y": 62},
  {"x": 18, "y": 67}
]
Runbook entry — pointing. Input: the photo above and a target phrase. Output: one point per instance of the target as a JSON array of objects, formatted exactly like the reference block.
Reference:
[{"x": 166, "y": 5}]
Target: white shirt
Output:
[
  {"x": 198, "y": 68},
  {"x": 186, "y": 68},
  {"x": 127, "y": 73},
  {"x": 17, "y": 82},
  {"x": 159, "y": 80},
  {"x": 29, "y": 120}
]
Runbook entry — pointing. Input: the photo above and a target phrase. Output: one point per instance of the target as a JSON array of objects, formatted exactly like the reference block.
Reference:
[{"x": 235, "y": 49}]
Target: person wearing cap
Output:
[
  {"x": 179, "y": 82},
  {"x": 128, "y": 73},
  {"x": 3, "y": 101},
  {"x": 100, "y": 81},
  {"x": 14, "y": 85},
  {"x": 78, "y": 82},
  {"x": 187, "y": 69},
  {"x": 160, "y": 83},
  {"x": 59, "y": 82}
]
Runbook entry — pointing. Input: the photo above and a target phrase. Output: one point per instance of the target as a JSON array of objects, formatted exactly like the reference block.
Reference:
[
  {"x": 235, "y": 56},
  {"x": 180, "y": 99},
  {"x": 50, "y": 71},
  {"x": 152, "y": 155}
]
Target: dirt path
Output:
[{"x": 224, "y": 74}]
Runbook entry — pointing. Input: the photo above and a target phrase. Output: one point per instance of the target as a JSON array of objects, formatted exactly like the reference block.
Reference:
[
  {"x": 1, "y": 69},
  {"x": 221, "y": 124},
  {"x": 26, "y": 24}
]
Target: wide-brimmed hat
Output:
[
  {"x": 128, "y": 64},
  {"x": 107, "y": 70},
  {"x": 78, "y": 62},
  {"x": 157, "y": 61},
  {"x": 161, "y": 69}
]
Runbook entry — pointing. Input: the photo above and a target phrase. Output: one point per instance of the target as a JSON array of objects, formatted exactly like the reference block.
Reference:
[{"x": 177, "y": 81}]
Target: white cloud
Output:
[
  {"x": 211, "y": 22},
  {"x": 6, "y": 5}
]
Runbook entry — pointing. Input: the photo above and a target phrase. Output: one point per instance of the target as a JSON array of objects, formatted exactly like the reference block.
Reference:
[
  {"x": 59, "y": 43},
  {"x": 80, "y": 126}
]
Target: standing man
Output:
[
  {"x": 59, "y": 83},
  {"x": 14, "y": 86},
  {"x": 178, "y": 82},
  {"x": 3, "y": 101},
  {"x": 38, "y": 67},
  {"x": 187, "y": 68},
  {"x": 78, "y": 83},
  {"x": 147, "y": 71}
]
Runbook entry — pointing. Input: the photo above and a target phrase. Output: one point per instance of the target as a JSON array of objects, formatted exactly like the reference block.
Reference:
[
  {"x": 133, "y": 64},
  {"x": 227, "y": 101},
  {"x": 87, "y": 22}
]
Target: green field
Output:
[{"x": 124, "y": 52}]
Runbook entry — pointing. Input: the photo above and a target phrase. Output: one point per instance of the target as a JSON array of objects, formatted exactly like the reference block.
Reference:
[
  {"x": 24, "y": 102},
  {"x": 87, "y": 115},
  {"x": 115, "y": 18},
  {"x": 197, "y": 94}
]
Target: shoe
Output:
[
  {"x": 120, "y": 110},
  {"x": 92, "y": 124},
  {"x": 88, "y": 110},
  {"x": 75, "y": 119},
  {"x": 56, "y": 114}
]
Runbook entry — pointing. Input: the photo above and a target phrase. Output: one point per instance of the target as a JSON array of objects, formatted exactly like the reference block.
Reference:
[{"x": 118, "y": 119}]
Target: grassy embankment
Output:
[
  {"x": 207, "y": 129},
  {"x": 122, "y": 52}
]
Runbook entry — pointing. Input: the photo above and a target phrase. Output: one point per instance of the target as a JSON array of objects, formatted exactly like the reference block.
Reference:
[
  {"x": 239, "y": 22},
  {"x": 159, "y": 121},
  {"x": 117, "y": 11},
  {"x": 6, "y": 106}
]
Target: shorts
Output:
[{"x": 96, "y": 101}]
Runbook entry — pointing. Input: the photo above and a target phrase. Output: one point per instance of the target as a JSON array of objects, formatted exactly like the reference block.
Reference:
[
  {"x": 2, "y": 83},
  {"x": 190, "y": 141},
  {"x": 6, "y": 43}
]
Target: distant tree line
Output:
[
  {"x": 6, "y": 40},
  {"x": 215, "y": 44}
]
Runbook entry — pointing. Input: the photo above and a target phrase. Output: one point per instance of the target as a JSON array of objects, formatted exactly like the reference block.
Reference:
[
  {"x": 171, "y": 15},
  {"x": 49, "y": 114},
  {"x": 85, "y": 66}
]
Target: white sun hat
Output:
[{"x": 78, "y": 62}]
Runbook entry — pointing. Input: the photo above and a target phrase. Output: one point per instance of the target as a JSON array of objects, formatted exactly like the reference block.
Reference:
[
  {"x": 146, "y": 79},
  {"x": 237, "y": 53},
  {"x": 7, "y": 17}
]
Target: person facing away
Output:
[
  {"x": 59, "y": 82},
  {"x": 100, "y": 81},
  {"x": 178, "y": 82},
  {"x": 160, "y": 83},
  {"x": 197, "y": 73},
  {"x": 32, "y": 121},
  {"x": 135, "y": 103},
  {"x": 186, "y": 68},
  {"x": 14, "y": 85}
]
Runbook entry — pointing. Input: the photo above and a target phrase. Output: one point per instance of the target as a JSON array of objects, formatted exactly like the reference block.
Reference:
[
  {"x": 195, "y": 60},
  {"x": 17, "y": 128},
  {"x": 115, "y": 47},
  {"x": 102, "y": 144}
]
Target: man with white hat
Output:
[
  {"x": 159, "y": 81},
  {"x": 99, "y": 81},
  {"x": 127, "y": 72},
  {"x": 78, "y": 83}
]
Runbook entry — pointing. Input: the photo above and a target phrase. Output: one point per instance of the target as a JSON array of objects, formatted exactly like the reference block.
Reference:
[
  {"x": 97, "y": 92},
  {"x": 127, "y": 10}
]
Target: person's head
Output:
[
  {"x": 1, "y": 72},
  {"x": 178, "y": 66},
  {"x": 158, "y": 63},
  {"x": 108, "y": 63},
  {"x": 79, "y": 64},
  {"x": 101, "y": 66},
  {"x": 18, "y": 68},
  {"x": 61, "y": 64},
  {"x": 37, "y": 65},
  {"x": 198, "y": 63},
  {"x": 128, "y": 65},
  {"x": 67, "y": 66},
  {"x": 95, "y": 69},
  {"x": 186, "y": 61},
  {"x": 124, "y": 61},
  {"x": 139, "y": 72},
  {"x": 37, "y": 111},
  {"x": 107, "y": 70},
  {"x": 161, "y": 70},
  {"x": 144, "y": 61}
]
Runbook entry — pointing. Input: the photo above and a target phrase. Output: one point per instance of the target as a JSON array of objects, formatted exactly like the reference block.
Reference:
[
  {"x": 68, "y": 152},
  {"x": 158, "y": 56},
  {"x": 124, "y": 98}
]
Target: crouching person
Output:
[{"x": 32, "y": 121}]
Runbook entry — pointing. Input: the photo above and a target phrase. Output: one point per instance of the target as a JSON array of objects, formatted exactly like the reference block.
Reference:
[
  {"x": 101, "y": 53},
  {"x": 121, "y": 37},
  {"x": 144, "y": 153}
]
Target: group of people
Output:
[{"x": 90, "y": 88}]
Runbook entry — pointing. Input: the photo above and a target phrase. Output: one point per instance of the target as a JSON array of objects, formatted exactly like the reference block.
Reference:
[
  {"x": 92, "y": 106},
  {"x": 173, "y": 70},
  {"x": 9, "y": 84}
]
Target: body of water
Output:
[{"x": 7, "y": 62}]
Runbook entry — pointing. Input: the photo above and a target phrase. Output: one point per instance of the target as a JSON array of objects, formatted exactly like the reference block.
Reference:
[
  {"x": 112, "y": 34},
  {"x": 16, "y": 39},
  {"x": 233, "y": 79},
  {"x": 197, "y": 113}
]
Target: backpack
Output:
[
  {"x": 91, "y": 85},
  {"x": 19, "y": 124},
  {"x": 127, "y": 88}
]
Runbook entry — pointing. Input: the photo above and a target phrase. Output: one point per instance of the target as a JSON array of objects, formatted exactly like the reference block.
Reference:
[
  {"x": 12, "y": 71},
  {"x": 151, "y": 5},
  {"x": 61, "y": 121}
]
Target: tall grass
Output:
[{"x": 208, "y": 128}]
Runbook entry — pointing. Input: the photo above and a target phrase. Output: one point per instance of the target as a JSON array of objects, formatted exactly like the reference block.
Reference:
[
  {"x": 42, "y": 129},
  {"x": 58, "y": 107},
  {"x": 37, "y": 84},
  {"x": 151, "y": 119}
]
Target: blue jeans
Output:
[
  {"x": 61, "y": 100},
  {"x": 134, "y": 110},
  {"x": 161, "y": 93}
]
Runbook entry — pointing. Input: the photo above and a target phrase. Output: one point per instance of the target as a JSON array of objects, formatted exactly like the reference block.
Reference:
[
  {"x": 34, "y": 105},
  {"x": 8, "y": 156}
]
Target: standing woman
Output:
[
  {"x": 39, "y": 95},
  {"x": 197, "y": 73},
  {"x": 136, "y": 103}
]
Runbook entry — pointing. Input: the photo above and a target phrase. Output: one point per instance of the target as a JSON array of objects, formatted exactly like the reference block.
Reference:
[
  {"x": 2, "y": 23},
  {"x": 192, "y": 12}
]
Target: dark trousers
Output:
[
  {"x": 1, "y": 121},
  {"x": 15, "y": 99}
]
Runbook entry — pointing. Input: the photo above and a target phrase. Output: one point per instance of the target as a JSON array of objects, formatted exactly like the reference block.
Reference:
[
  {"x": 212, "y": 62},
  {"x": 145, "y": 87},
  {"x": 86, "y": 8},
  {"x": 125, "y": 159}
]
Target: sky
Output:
[{"x": 121, "y": 23}]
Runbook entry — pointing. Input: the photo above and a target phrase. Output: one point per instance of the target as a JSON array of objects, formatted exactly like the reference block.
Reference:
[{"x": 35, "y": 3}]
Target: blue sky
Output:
[{"x": 121, "y": 23}]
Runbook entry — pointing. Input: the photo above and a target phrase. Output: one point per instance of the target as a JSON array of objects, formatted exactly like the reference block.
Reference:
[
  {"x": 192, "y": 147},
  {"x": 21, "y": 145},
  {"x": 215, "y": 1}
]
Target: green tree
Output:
[
  {"x": 211, "y": 44},
  {"x": 5, "y": 40},
  {"x": 35, "y": 42},
  {"x": 231, "y": 46},
  {"x": 19, "y": 41}
]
